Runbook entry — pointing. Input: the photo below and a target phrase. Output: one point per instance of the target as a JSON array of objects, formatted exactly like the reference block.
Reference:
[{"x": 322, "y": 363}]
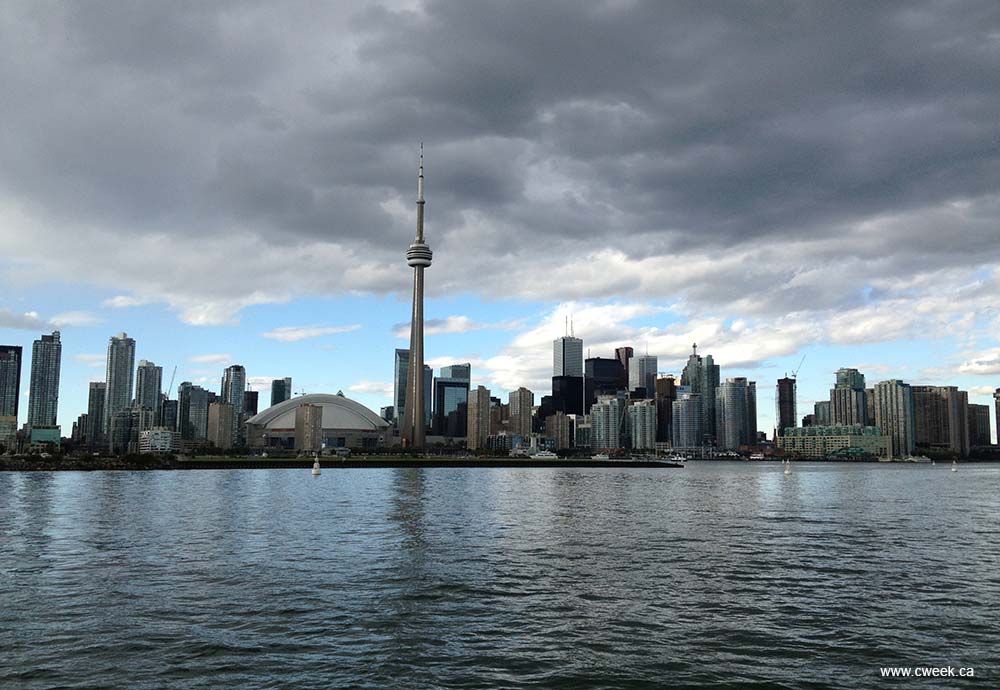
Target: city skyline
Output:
[{"x": 804, "y": 195}]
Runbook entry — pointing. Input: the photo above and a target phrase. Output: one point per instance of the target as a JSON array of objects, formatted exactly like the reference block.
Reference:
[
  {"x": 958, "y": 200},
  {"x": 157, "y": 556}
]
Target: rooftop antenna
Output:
[
  {"x": 571, "y": 327},
  {"x": 565, "y": 325}
]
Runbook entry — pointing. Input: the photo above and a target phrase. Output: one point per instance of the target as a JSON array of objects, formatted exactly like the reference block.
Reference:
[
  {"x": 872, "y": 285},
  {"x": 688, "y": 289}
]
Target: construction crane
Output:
[
  {"x": 170, "y": 387},
  {"x": 795, "y": 373}
]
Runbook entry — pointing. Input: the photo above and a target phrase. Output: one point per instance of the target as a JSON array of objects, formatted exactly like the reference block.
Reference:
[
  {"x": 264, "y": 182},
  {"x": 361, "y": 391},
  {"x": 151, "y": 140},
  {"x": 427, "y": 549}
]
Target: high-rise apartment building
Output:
[
  {"x": 559, "y": 427},
  {"x": 848, "y": 404},
  {"x": 521, "y": 402},
  {"x": 220, "y": 425},
  {"x": 606, "y": 419},
  {"x": 940, "y": 416},
  {"x": 735, "y": 413},
  {"x": 43, "y": 395},
  {"x": 192, "y": 415},
  {"x": 148, "y": 385},
  {"x": 642, "y": 375},
  {"x": 702, "y": 376},
  {"x": 120, "y": 371},
  {"x": 892, "y": 403},
  {"x": 96, "y": 398},
  {"x": 479, "y": 418},
  {"x": 979, "y": 425},
  {"x": 567, "y": 356},
  {"x": 785, "y": 414},
  {"x": 642, "y": 425},
  {"x": 821, "y": 413},
  {"x": 234, "y": 384},
  {"x": 281, "y": 390},
  {"x": 10, "y": 380},
  {"x": 687, "y": 418},
  {"x": 996, "y": 411}
]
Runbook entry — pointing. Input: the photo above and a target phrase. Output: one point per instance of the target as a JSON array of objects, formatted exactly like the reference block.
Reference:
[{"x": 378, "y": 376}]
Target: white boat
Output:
[
  {"x": 315, "y": 469},
  {"x": 544, "y": 455},
  {"x": 600, "y": 456}
]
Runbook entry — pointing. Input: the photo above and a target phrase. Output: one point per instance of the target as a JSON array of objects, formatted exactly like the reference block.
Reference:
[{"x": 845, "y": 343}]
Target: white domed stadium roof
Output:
[{"x": 338, "y": 413}]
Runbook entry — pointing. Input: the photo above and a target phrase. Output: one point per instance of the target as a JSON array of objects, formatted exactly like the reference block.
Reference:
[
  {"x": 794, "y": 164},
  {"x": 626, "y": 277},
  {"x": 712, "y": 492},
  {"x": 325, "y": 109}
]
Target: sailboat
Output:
[{"x": 954, "y": 465}]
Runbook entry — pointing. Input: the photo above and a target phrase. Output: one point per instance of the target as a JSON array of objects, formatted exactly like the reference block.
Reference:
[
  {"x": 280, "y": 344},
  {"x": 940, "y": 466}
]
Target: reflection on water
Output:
[{"x": 721, "y": 573}]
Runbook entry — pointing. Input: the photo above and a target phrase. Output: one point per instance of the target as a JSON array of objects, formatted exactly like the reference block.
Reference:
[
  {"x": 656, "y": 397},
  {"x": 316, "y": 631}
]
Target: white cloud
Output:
[
  {"x": 289, "y": 334},
  {"x": 983, "y": 391},
  {"x": 91, "y": 360},
  {"x": 382, "y": 388},
  {"x": 454, "y": 324},
  {"x": 222, "y": 359},
  {"x": 27, "y": 321},
  {"x": 985, "y": 363},
  {"x": 76, "y": 318},
  {"x": 122, "y": 301}
]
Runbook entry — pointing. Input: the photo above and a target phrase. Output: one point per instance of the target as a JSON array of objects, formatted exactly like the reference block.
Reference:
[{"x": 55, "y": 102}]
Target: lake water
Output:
[{"x": 715, "y": 575}]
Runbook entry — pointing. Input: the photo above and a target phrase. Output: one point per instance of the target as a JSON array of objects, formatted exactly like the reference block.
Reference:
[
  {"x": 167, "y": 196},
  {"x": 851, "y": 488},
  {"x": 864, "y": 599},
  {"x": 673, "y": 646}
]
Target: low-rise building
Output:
[
  {"x": 159, "y": 440},
  {"x": 834, "y": 441}
]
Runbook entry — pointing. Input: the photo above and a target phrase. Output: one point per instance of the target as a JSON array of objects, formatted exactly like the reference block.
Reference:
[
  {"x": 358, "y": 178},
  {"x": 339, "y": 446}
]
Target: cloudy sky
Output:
[{"x": 234, "y": 182}]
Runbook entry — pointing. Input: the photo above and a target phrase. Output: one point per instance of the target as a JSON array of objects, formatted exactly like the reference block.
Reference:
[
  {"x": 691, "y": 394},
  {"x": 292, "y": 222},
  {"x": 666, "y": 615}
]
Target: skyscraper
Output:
[
  {"x": 940, "y": 415},
  {"x": 96, "y": 399},
  {"x": 521, "y": 402},
  {"x": 702, "y": 375},
  {"x": 642, "y": 375},
  {"x": 666, "y": 393},
  {"x": 604, "y": 376},
  {"x": 567, "y": 356},
  {"x": 10, "y": 380},
  {"x": 234, "y": 384},
  {"x": 400, "y": 368},
  {"x": 785, "y": 405},
  {"x": 418, "y": 256},
  {"x": 192, "y": 416},
  {"x": 149, "y": 386},
  {"x": 736, "y": 412},
  {"x": 43, "y": 395},
  {"x": 281, "y": 390},
  {"x": 979, "y": 425},
  {"x": 642, "y": 425},
  {"x": 892, "y": 402},
  {"x": 605, "y": 422},
  {"x": 451, "y": 401},
  {"x": 479, "y": 418},
  {"x": 120, "y": 369},
  {"x": 821, "y": 413},
  {"x": 687, "y": 418},
  {"x": 623, "y": 355},
  {"x": 847, "y": 399},
  {"x": 250, "y": 403}
]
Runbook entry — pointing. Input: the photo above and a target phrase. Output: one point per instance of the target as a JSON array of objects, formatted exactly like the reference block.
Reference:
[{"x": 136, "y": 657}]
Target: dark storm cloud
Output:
[{"x": 554, "y": 130}]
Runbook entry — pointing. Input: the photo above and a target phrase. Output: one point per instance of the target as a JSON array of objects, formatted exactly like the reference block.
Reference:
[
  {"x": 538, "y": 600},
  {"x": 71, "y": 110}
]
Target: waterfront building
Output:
[
  {"x": 642, "y": 375},
  {"x": 124, "y": 429},
  {"x": 623, "y": 355},
  {"x": 234, "y": 384},
  {"x": 8, "y": 433},
  {"x": 893, "y": 415},
  {"x": 809, "y": 420},
  {"x": 479, "y": 418},
  {"x": 43, "y": 395},
  {"x": 582, "y": 431},
  {"x": 148, "y": 385},
  {"x": 642, "y": 425},
  {"x": 736, "y": 413},
  {"x": 785, "y": 412},
  {"x": 345, "y": 423},
  {"x": 702, "y": 376},
  {"x": 221, "y": 425},
  {"x": 10, "y": 380},
  {"x": 250, "y": 403},
  {"x": 848, "y": 405},
  {"x": 401, "y": 372},
  {"x": 835, "y": 441},
  {"x": 821, "y": 413},
  {"x": 309, "y": 428},
  {"x": 979, "y": 425},
  {"x": 281, "y": 390},
  {"x": 120, "y": 371},
  {"x": 606, "y": 422},
  {"x": 567, "y": 356},
  {"x": 159, "y": 440},
  {"x": 941, "y": 418},
  {"x": 521, "y": 403},
  {"x": 687, "y": 418},
  {"x": 559, "y": 428},
  {"x": 192, "y": 414},
  {"x": 666, "y": 394},
  {"x": 96, "y": 398},
  {"x": 414, "y": 423}
]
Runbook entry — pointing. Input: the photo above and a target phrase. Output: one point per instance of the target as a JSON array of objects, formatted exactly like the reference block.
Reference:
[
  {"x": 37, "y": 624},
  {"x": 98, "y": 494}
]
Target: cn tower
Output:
[{"x": 419, "y": 257}]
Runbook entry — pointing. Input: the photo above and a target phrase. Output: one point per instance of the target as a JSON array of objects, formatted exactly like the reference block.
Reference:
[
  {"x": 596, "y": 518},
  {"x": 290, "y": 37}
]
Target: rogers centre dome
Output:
[{"x": 292, "y": 424}]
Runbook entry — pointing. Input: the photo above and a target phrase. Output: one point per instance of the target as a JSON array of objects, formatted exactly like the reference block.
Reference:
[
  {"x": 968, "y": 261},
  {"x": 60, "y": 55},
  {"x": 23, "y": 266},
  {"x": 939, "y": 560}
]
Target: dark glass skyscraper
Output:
[
  {"x": 785, "y": 414},
  {"x": 10, "y": 379},
  {"x": 281, "y": 390}
]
